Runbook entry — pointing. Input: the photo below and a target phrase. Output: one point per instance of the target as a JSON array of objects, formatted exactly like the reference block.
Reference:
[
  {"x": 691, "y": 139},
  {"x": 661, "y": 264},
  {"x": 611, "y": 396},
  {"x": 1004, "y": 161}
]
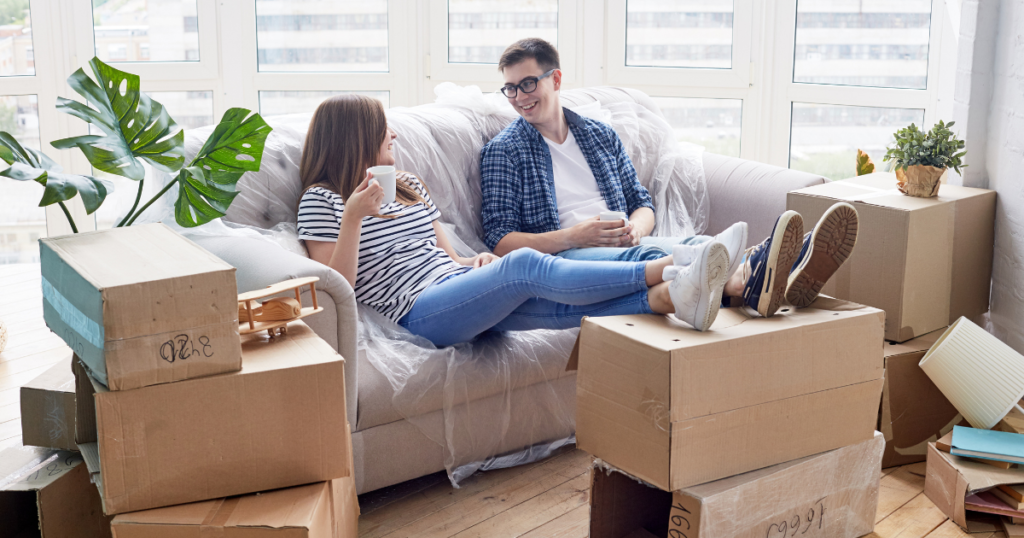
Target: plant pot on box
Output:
[
  {"x": 920, "y": 180},
  {"x": 922, "y": 158}
]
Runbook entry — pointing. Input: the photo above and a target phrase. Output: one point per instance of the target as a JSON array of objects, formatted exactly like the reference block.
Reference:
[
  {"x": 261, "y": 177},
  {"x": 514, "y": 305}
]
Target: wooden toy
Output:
[{"x": 274, "y": 314}]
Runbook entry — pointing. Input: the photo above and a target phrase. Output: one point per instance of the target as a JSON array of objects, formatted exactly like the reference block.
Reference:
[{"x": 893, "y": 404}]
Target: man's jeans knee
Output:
[
  {"x": 638, "y": 253},
  {"x": 650, "y": 248}
]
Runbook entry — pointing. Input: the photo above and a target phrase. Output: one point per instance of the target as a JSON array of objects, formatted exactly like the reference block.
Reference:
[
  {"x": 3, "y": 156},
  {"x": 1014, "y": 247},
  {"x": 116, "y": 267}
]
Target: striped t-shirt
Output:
[{"x": 398, "y": 257}]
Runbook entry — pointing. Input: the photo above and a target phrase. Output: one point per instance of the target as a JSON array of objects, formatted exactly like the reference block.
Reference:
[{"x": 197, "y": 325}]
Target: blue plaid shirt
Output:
[{"x": 519, "y": 187}]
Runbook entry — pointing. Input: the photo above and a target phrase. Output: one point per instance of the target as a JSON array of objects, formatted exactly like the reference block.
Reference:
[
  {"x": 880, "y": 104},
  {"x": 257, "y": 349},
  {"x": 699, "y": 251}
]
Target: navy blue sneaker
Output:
[
  {"x": 769, "y": 264},
  {"x": 824, "y": 251}
]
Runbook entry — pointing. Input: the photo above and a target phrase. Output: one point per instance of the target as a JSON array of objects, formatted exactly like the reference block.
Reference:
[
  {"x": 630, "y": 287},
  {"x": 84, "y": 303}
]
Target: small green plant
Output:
[
  {"x": 939, "y": 148},
  {"x": 133, "y": 128}
]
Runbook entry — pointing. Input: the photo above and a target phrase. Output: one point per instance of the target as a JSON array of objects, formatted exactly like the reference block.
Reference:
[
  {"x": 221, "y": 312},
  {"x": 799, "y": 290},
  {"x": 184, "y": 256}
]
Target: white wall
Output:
[{"x": 1004, "y": 163}]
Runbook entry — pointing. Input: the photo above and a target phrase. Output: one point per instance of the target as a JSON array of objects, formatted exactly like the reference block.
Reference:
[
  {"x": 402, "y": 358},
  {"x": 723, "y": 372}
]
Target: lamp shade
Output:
[{"x": 980, "y": 375}]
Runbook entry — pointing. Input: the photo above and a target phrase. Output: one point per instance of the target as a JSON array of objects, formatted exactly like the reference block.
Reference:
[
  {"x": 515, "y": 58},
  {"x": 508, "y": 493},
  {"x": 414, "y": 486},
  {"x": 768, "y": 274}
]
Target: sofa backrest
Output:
[{"x": 441, "y": 142}]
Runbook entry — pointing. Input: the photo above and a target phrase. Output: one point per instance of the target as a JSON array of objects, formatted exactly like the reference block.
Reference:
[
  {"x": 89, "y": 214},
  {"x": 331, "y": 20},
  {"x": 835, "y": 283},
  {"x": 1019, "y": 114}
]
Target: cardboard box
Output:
[
  {"x": 677, "y": 407},
  {"x": 322, "y": 509},
  {"x": 141, "y": 305},
  {"x": 279, "y": 422},
  {"x": 925, "y": 261},
  {"x": 950, "y": 479},
  {"x": 834, "y": 494},
  {"x": 914, "y": 412},
  {"x": 46, "y": 493},
  {"x": 48, "y": 408}
]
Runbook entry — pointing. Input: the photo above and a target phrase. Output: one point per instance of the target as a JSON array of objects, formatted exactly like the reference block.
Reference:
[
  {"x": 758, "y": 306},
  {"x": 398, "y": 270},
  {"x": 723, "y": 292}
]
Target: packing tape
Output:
[
  {"x": 217, "y": 517},
  {"x": 875, "y": 193},
  {"x": 72, "y": 316}
]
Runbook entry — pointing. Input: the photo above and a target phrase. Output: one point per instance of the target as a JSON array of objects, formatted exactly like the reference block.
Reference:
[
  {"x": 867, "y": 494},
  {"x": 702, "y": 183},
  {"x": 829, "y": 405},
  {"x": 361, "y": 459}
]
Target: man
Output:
[{"x": 547, "y": 176}]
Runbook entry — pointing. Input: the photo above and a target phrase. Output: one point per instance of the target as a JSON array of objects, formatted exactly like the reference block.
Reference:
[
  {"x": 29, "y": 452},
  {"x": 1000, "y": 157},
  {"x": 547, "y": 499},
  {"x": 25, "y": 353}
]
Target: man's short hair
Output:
[{"x": 543, "y": 52}]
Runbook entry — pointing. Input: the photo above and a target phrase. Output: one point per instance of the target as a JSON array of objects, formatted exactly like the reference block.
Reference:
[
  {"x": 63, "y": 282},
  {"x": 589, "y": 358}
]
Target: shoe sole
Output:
[
  {"x": 832, "y": 242},
  {"x": 786, "y": 243},
  {"x": 716, "y": 273}
]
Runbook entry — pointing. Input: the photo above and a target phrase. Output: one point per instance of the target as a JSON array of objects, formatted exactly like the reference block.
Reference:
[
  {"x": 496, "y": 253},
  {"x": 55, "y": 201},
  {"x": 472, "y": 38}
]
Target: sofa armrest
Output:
[
  {"x": 749, "y": 191},
  {"x": 260, "y": 263}
]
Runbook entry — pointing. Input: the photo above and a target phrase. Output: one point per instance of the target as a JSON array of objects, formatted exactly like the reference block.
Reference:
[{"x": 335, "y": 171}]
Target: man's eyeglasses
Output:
[{"x": 527, "y": 85}]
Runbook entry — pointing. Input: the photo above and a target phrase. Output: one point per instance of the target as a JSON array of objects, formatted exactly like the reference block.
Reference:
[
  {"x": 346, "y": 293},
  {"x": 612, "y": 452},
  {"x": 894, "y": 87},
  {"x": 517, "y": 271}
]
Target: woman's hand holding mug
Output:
[{"x": 366, "y": 199}]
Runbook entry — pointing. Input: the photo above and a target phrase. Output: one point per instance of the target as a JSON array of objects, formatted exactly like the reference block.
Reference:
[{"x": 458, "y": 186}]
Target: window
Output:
[
  {"x": 825, "y": 138},
  {"x": 679, "y": 33},
  {"x": 480, "y": 30},
  {"x": 16, "y": 56},
  {"x": 317, "y": 36},
  {"x": 881, "y": 44},
  {"x": 712, "y": 123},
  {"x": 168, "y": 28},
  {"x": 189, "y": 110},
  {"x": 21, "y": 217},
  {"x": 275, "y": 103}
]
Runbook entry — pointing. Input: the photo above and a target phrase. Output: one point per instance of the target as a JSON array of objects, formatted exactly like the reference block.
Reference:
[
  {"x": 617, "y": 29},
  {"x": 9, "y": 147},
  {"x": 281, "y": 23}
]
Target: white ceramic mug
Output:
[
  {"x": 613, "y": 215},
  {"x": 385, "y": 175}
]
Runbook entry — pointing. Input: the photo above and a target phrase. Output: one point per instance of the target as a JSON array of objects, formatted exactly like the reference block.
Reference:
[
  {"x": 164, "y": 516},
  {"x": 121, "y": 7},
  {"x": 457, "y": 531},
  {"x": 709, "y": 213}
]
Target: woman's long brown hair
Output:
[{"x": 344, "y": 139}]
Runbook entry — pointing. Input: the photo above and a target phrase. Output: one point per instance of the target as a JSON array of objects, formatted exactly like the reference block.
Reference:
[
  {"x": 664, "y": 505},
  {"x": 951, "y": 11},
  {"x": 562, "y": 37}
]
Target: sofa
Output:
[{"x": 398, "y": 433}]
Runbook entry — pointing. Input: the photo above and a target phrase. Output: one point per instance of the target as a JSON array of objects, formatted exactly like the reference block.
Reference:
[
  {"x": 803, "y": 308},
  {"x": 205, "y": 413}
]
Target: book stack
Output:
[
  {"x": 180, "y": 425},
  {"x": 683, "y": 424}
]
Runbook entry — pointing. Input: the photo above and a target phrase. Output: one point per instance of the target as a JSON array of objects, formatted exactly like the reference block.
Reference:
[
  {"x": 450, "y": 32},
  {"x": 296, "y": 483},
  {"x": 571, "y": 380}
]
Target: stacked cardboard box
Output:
[
  {"x": 183, "y": 426},
  {"x": 924, "y": 261},
  {"x": 914, "y": 412},
  {"x": 684, "y": 411}
]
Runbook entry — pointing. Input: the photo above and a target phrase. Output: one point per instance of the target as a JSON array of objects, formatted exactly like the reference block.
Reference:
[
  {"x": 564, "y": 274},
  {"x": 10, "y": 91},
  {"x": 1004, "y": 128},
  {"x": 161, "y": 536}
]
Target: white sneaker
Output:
[
  {"x": 734, "y": 238},
  {"x": 696, "y": 290}
]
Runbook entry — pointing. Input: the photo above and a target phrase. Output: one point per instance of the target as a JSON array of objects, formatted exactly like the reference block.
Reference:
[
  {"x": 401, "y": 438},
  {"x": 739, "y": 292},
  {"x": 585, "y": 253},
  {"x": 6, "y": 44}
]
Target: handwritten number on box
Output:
[
  {"x": 677, "y": 520},
  {"x": 181, "y": 347},
  {"x": 790, "y": 527}
]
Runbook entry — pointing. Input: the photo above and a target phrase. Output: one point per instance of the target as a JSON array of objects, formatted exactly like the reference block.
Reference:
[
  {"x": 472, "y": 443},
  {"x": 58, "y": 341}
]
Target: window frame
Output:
[
  {"x": 776, "y": 141},
  {"x": 487, "y": 75},
  {"x": 737, "y": 76}
]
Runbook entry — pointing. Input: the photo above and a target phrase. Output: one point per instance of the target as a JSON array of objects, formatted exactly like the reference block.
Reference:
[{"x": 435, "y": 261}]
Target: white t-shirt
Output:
[{"x": 576, "y": 191}]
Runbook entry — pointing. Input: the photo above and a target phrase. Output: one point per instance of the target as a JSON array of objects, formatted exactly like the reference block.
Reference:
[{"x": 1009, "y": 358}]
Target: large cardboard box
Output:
[
  {"x": 141, "y": 305},
  {"x": 48, "y": 408},
  {"x": 676, "y": 407},
  {"x": 950, "y": 479},
  {"x": 46, "y": 493},
  {"x": 925, "y": 261},
  {"x": 834, "y": 495},
  {"x": 914, "y": 412},
  {"x": 279, "y": 422},
  {"x": 323, "y": 509}
]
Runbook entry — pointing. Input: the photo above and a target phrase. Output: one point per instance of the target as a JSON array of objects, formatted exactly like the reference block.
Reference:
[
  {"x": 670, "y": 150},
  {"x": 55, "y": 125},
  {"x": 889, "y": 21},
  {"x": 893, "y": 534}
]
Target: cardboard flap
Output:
[
  {"x": 27, "y": 468},
  {"x": 979, "y": 476},
  {"x": 91, "y": 455},
  {"x": 574, "y": 356},
  {"x": 295, "y": 507}
]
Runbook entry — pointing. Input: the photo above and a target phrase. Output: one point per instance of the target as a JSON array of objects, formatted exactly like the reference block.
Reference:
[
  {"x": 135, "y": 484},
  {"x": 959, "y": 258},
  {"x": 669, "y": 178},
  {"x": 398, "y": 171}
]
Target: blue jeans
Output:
[
  {"x": 650, "y": 248},
  {"x": 526, "y": 290}
]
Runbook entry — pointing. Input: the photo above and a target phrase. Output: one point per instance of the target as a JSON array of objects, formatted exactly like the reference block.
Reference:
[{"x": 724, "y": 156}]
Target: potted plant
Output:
[
  {"x": 133, "y": 128},
  {"x": 921, "y": 158}
]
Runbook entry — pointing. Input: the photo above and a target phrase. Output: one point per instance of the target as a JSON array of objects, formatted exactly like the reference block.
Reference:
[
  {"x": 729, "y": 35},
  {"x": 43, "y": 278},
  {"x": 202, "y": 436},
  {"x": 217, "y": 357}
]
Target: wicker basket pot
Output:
[{"x": 920, "y": 180}]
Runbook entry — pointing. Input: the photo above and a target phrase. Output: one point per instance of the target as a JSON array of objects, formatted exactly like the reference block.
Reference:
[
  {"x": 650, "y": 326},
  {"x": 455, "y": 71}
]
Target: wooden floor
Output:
[{"x": 545, "y": 499}]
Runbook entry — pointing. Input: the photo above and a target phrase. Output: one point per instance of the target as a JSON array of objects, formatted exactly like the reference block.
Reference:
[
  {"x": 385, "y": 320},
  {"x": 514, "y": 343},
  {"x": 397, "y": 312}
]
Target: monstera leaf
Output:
[
  {"x": 31, "y": 165},
  {"x": 134, "y": 126},
  {"x": 207, "y": 187}
]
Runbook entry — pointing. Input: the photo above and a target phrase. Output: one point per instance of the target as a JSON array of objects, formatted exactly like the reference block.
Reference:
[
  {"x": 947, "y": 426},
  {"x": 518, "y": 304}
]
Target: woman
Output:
[{"x": 400, "y": 263}]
